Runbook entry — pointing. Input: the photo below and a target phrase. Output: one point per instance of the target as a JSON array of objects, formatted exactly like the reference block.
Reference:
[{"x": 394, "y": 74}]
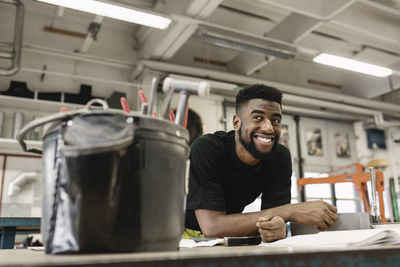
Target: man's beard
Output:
[{"x": 251, "y": 147}]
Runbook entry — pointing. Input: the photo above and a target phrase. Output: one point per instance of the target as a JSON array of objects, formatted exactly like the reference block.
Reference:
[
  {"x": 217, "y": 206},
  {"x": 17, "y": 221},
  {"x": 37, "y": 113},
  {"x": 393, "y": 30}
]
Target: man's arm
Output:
[
  {"x": 314, "y": 213},
  {"x": 218, "y": 224}
]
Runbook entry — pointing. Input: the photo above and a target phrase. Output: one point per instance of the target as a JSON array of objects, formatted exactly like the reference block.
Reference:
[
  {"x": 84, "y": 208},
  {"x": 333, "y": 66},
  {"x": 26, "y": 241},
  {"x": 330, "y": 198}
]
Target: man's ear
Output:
[{"x": 236, "y": 122}]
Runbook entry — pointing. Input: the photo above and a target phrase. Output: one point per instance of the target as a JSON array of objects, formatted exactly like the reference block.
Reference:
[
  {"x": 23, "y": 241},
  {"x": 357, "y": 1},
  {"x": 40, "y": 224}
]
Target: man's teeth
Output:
[{"x": 264, "y": 140}]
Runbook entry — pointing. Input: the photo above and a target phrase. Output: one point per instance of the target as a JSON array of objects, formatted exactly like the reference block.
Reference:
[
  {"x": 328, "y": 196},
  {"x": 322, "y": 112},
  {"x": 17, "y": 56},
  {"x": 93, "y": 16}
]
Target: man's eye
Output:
[
  {"x": 257, "y": 117},
  {"x": 276, "y": 121}
]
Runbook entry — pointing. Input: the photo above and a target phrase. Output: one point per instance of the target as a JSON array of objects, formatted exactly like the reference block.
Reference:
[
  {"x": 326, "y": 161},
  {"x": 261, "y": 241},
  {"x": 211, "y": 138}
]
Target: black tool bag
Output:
[{"x": 91, "y": 198}]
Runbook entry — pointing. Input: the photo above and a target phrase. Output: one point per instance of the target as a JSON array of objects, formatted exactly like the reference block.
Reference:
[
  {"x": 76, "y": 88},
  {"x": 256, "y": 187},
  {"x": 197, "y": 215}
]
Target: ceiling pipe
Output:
[
  {"x": 78, "y": 56},
  {"x": 82, "y": 77},
  {"x": 221, "y": 89},
  {"x": 288, "y": 98},
  {"x": 351, "y": 113},
  {"x": 287, "y": 109},
  {"x": 15, "y": 55},
  {"x": 388, "y": 108},
  {"x": 346, "y": 112},
  {"x": 379, "y": 121},
  {"x": 17, "y": 183},
  {"x": 378, "y": 116}
]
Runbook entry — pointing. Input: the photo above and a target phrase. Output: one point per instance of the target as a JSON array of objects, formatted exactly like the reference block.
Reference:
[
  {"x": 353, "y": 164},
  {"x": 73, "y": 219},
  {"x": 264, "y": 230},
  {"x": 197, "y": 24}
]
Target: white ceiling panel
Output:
[{"x": 377, "y": 57}]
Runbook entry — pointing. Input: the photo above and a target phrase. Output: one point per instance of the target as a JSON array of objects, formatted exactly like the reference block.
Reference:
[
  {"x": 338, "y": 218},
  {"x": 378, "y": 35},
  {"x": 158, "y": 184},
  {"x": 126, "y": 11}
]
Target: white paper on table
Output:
[
  {"x": 349, "y": 238},
  {"x": 189, "y": 243}
]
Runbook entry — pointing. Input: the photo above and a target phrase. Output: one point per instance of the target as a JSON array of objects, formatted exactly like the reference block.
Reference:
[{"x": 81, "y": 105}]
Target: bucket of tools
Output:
[{"x": 112, "y": 181}]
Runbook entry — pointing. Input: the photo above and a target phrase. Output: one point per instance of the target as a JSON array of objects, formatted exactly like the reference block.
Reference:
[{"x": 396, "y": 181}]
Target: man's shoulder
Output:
[{"x": 212, "y": 139}]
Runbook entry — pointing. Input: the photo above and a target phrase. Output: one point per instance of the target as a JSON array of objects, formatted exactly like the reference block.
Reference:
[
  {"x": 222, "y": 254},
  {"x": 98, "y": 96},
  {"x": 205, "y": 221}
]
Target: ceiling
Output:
[{"x": 366, "y": 30}]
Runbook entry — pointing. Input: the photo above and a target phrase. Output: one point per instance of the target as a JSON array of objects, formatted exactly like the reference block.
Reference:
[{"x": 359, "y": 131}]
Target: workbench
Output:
[{"x": 215, "y": 256}]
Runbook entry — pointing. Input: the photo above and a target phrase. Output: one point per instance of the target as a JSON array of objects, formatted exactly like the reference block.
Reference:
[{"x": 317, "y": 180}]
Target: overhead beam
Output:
[
  {"x": 294, "y": 27},
  {"x": 247, "y": 64},
  {"x": 163, "y": 45},
  {"x": 318, "y": 9}
]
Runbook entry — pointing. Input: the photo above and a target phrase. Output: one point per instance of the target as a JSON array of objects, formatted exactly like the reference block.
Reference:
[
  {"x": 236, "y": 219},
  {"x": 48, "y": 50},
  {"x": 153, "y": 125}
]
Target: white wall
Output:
[
  {"x": 26, "y": 203},
  {"x": 328, "y": 132},
  {"x": 210, "y": 111}
]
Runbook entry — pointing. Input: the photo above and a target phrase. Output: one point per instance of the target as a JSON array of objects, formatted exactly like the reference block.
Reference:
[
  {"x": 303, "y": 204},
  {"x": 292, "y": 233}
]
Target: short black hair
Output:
[
  {"x": 194, "y": 125},
  {"x": 257, "y": 91}
]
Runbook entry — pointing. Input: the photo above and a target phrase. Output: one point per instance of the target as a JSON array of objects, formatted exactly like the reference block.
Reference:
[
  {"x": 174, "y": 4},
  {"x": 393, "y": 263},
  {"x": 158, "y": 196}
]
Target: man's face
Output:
[{"x": 259, "y": 126}]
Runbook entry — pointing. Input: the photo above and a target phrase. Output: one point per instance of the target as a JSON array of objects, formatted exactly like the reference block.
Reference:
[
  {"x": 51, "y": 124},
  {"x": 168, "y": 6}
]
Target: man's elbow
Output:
[
  {"x": 211, "y": 231},
  {"x": 212, "y": 228},
  {"x": 211, "y": 222}
]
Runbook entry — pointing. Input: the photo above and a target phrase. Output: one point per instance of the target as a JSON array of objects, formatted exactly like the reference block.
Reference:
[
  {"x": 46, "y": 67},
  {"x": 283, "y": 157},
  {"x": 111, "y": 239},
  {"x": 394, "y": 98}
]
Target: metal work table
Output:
[{"x": 214, "y": 256}]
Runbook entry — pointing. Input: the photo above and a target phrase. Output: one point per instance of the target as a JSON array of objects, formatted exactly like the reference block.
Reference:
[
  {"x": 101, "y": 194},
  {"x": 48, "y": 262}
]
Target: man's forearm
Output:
[
  {"x": 315, "y": 213},
  {"x": 284, "y": 211},
  {"x": 219, "y": 224}
]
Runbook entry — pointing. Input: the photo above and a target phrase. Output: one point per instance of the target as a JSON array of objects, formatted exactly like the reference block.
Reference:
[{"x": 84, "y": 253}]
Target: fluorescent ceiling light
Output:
[
  {"x": 353, "y": 65},
  {"x": 115, "y": 11},
  {"x": 244, "y": 42}
]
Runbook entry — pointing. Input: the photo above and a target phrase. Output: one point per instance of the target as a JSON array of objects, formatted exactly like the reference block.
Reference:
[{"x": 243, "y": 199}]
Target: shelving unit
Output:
[
  {"x": 31, "y": 108},
  {"x": 8, "y": 145},
  {"x": 37, "y": 105}
]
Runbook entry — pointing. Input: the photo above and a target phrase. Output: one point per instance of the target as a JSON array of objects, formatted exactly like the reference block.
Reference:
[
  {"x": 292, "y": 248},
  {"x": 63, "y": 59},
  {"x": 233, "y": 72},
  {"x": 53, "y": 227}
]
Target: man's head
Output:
[
  {"x": 257, "y": 120},
  {"x": 257, "y": 91},
  {"x": 194, "y": 125}
]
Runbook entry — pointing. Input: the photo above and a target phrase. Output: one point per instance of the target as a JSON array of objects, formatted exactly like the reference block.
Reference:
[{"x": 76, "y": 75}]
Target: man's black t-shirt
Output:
[{"x": 220, "y": 181}]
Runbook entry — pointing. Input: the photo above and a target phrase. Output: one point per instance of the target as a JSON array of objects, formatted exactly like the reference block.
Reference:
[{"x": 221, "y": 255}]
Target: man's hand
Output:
[
  {"x": 271, "y": 227},
  {"x": 315, "y": 213}
]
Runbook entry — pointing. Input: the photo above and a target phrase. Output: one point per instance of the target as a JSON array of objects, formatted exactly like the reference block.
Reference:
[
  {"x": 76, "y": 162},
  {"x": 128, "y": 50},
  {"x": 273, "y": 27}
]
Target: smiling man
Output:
[{"x": 229, "y": 170}]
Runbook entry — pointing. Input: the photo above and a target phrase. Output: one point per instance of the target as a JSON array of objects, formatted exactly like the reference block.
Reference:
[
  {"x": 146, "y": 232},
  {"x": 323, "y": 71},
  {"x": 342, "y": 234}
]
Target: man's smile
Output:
[{"x": 264, "y": 139}]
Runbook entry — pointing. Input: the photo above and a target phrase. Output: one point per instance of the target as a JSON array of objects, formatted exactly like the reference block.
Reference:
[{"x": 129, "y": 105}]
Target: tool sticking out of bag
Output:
[
  {"x": 185, "y": 88},
  {"x": 124, "y": 104},
  {"x": 145, "y": 107}
]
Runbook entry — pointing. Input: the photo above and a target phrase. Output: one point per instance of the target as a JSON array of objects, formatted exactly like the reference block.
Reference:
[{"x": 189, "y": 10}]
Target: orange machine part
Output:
[{"x": 360, "y": 179}]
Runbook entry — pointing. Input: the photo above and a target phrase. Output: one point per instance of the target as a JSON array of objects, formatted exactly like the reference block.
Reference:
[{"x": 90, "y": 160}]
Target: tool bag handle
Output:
[{"x": 60, "y": 116}]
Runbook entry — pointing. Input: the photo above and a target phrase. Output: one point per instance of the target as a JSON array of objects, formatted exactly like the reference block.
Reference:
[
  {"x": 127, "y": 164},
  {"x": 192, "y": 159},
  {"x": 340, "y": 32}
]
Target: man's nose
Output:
[{"x": 267, "y": 126}]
